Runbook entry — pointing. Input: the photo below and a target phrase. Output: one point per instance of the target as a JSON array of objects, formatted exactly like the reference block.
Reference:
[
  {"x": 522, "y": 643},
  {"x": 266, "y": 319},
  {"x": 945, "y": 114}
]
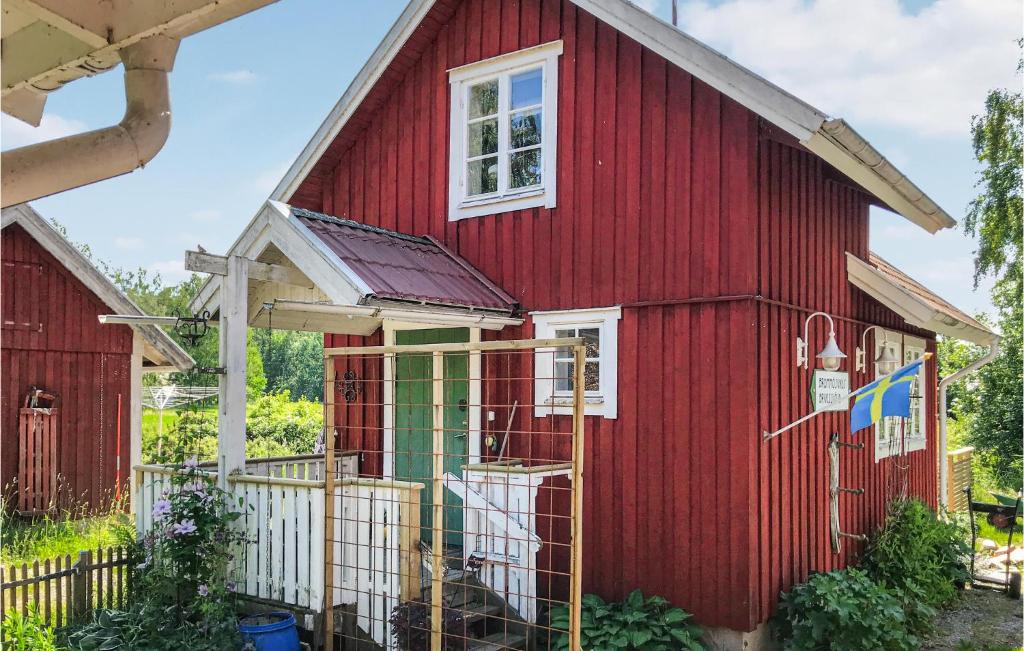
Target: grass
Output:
[{"x": 26, "y": 540}]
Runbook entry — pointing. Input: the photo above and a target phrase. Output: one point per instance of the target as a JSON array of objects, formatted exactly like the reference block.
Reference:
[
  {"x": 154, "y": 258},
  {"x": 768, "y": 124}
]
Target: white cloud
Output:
[
  {"x": 871, "y": 61},
  {"x": 207, "y": 215},
  {"x": 237, "y": 77},
  {"x": 15, "y": 133},
  {"x": 129, "y": 243},
  {"x": 171, "y": 271}
]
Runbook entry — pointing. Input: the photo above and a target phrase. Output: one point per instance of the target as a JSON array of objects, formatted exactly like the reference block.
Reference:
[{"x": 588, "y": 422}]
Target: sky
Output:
[{"x": 248, "y": 95}]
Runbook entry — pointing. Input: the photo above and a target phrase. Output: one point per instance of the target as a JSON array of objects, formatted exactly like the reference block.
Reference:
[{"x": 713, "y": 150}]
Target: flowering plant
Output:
[{"x": 182, "y": 595}]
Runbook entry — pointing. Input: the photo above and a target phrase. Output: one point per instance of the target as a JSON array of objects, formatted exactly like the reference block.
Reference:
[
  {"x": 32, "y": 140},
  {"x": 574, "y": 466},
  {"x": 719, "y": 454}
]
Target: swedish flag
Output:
[{"x": 888, "y": 396}]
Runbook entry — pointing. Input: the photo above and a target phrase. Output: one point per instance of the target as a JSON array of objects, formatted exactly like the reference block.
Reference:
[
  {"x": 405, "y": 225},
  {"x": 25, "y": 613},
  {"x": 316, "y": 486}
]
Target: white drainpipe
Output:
[
  {"x": 944, "y": 383},
  {"x": 46, "y": 168}
]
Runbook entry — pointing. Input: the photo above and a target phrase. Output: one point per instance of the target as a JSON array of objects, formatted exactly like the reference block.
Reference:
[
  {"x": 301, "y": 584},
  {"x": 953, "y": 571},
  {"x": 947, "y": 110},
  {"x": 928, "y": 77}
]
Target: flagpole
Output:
[{"x": 767, "y": 436}]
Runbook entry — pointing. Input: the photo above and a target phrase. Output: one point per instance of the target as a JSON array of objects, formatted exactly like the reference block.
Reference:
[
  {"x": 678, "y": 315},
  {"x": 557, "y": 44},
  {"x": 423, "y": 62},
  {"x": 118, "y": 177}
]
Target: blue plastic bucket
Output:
[{"x": 270, "y": 632}]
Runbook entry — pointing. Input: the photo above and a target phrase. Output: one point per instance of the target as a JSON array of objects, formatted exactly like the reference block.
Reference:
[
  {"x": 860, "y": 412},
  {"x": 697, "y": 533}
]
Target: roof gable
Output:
[
  {"x": 831, "y": 139},
  {"x": 163, "y": 349}
]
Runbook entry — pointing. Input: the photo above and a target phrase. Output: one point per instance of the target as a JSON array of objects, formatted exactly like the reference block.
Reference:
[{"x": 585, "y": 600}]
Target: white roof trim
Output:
[
  {"x": 166, "y": 350},
  {"x": 914, "y": 311},
  {"x": 832, "y": 140}
]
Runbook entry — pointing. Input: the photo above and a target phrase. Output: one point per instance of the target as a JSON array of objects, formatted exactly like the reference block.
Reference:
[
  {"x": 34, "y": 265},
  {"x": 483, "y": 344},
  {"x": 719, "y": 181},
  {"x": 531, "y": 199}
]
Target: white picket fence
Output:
[{"x": 283, "y": 557}]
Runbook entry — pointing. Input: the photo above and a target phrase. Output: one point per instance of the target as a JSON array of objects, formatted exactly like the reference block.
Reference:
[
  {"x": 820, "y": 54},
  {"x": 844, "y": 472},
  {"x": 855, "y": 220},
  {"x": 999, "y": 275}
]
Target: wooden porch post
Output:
[
  {"x": 135, "y": 414},
  {"x": 436, "y": 580},
  {"x": 234, "y": 328}
]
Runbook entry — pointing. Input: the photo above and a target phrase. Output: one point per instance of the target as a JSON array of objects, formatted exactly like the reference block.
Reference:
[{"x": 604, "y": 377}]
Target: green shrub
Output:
[
  {"x": 295, "y": 424},
  {"x": 918, "y": 554},
  {"x": 844, "y": 610},
  {"x": 27, "y": 632},
  {"x": 636, "y": 623}
]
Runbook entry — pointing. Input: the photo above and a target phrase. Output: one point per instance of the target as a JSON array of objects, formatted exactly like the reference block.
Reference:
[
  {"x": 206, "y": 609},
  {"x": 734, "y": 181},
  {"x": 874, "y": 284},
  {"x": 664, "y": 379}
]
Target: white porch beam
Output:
[
  {"x": 135, "y": 414},
  {"x": 202, "y": 262},
  {"x": 234, "y": 325}
]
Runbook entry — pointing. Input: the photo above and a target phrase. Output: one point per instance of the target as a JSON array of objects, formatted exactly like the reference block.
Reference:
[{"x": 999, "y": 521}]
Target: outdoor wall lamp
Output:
[
  {"x": 831, "y": 356},
  {"x": 886, "y": 362}
]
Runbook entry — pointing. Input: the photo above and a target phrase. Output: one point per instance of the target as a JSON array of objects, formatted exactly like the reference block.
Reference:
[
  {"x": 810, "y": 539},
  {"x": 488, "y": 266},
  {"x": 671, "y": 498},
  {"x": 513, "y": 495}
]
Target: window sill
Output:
[
  {"x": 566, "y": 401},
  {"x": 563, "y": 406},
  {"x": 506, "y": 203}
]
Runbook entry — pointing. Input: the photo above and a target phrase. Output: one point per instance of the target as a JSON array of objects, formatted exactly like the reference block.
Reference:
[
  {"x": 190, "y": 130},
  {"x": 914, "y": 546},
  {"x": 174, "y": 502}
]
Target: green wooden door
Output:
[{"x": 414, "y": 422}]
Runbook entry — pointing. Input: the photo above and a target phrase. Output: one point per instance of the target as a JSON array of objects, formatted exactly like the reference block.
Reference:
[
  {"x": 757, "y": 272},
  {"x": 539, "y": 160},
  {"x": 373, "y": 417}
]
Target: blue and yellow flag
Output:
[{"x": 888, "y": 396}]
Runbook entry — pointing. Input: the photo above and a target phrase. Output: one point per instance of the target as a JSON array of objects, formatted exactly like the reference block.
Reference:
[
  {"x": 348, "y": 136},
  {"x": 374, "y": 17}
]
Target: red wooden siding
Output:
[
  {"x": 66, "y": 351},
  {"x": 715, "y": 237},
  {"x": 808, "y": 220}
]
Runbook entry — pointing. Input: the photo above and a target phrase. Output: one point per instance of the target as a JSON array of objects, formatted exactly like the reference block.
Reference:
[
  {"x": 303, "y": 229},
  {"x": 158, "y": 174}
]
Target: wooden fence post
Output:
[{"x": 80, "y": 586}]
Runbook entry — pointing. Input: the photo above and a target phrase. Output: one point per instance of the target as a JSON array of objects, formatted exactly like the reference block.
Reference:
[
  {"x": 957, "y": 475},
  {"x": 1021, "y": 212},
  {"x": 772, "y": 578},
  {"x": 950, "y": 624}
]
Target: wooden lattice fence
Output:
[{"x": 63, "y": 590}]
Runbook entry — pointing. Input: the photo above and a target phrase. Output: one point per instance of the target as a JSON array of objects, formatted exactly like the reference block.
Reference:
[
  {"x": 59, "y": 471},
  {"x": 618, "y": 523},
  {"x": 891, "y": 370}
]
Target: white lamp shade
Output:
[
  {"x": 831, "y": 356},
  {"x": 886, "y": 362}
]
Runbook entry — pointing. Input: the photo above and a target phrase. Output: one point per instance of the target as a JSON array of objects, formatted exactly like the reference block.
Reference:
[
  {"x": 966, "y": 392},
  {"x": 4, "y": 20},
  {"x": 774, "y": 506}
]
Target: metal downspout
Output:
[
  {"x": 49, "y": 167},
  {"x": 944, "y": 383}
]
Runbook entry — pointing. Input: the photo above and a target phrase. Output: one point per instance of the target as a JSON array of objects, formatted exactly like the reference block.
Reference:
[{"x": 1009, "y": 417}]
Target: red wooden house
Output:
[
  {"x": 539, "y": 167},
  {"x": 73, "y": 449}
]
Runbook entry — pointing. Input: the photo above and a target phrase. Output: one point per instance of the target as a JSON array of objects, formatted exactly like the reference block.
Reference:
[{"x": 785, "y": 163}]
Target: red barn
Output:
[
  {"x": 86, "y": 438},
  {"x": 595, "y": 171}
]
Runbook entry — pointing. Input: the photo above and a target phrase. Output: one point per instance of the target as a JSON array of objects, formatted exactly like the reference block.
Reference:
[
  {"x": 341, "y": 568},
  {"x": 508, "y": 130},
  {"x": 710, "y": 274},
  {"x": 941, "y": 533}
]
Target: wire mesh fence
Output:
[{"x": 461, "y": 528}]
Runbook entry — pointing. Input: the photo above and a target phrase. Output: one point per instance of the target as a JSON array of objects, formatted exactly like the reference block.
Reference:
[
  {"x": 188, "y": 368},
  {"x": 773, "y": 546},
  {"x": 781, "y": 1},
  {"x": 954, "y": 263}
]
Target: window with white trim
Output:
[
  {"x": 554, "y": 368},
  {"x": 915, "y": 437},
  {"x": 888, "y": 442},
  {"x": 503, "y": 133}
]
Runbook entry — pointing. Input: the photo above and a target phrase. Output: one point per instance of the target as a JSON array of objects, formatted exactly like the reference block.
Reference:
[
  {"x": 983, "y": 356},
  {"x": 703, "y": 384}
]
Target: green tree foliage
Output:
[
  {"x": 293, "y": 362},
  {"x": 995, "y": 217}
]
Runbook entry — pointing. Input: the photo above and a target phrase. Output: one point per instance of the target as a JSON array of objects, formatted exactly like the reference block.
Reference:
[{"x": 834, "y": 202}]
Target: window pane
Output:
[
  {"x": 592, "y": 340},
  {"x": 483, "y": 176},
  {"x": 527, "y": 88},
  {"x": 591, "y": 377},
  {"x": 565, "y": 334},
  {"x": 524, "y": 168},
  {"x": 525, "y": 129},
  {"x": 563, "y": 376},
  {"x": 483, "y": 138},
  {"x": 483, "y": 99}
]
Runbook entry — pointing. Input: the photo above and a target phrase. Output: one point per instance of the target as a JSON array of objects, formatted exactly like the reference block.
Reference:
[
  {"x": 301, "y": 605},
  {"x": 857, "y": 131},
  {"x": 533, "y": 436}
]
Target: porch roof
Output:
[
  {"x": 404, "y": 267},
  {"x": 917, "y": 304},
  {"x": 351, "y": 277}
]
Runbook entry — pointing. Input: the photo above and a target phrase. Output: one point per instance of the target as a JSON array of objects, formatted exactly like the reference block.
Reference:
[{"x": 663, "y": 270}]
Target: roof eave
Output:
[{"x": 912, "y": 309}]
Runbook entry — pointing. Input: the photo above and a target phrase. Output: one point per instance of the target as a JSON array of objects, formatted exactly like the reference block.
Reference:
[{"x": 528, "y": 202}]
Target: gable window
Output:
[
  {"x": 554, "y": 368},
  {"x": 503, "y": 134}
]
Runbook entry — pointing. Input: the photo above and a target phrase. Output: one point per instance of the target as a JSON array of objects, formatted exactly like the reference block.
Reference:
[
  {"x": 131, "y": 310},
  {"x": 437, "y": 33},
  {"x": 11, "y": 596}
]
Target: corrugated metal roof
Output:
[
  {"x": 928, "y": 296},
  {"x": 397, "y": 266}
]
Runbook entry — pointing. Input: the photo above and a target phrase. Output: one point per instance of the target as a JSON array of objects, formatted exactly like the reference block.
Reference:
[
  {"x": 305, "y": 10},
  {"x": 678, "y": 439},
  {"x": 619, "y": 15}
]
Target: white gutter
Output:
[
  {"x": 944, "y": 383},
  {"x": 46, "y": 168}
]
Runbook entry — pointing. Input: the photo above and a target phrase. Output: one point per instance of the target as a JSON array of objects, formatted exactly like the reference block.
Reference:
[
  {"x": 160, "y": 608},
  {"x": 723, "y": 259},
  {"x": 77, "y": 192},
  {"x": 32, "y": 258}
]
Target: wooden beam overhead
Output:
[{"x": 209, "y": 263}]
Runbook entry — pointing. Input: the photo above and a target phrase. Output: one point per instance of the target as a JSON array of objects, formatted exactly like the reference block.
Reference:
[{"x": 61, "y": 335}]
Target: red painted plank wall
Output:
[
  {"x": 676, "y": 203},
  {"x": 52, "y": 339},
  {"x": 808, "y": 220}
]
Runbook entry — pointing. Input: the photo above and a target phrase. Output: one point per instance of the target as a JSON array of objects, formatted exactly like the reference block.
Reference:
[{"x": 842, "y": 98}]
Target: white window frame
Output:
[
  {"x": 914, "y": 348},
  {"x": 903, "y": 346},
  {"x": 603, "y": 402},
  {"x": 460, "y": 206},
  {"x": 886, "y": 447}
]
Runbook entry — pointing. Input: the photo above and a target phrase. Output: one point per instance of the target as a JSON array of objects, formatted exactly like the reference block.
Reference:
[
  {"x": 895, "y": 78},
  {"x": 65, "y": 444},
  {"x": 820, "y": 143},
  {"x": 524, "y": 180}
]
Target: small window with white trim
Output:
[
  {"x": 916, "y": 435},
  {"x": 555, "y": 368},
  {"x": 503, "y": 132}
]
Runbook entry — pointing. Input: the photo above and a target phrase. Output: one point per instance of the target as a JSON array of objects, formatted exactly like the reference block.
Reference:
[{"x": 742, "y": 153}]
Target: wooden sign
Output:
[{"x": 828, "y": 390}]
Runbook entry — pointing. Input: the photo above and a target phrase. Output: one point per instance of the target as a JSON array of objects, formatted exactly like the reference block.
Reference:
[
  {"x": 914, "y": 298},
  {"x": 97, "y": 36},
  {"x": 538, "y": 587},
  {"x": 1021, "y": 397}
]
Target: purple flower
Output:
[
  {"x": 184, "y": 527},
  {"x": 161, "y": 508},
  {"x": 191, "y": 464},
  {"x": 204, "y": 591},
  {"x": 231, "y": 586}
]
